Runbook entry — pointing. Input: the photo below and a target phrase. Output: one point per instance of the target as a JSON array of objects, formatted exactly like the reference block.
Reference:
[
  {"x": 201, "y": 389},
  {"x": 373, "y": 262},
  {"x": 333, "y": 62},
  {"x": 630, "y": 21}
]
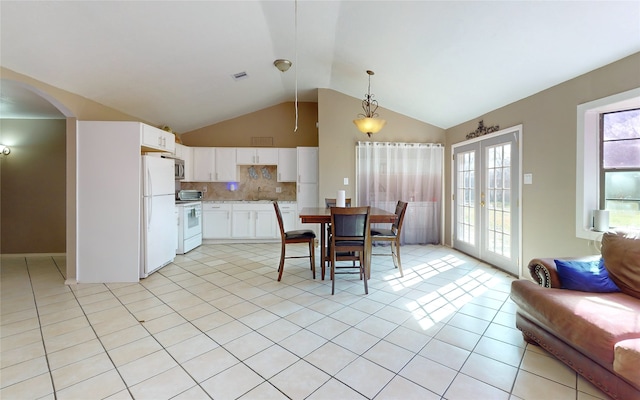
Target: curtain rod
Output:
[{"x": 398, "y": 144}]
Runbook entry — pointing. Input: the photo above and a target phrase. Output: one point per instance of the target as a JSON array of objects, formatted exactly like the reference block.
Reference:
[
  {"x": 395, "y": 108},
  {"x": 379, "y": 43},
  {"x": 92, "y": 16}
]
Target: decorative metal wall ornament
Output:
[
  {"x": 265, "y": 173},
  {"x": 483, "y": 130}
]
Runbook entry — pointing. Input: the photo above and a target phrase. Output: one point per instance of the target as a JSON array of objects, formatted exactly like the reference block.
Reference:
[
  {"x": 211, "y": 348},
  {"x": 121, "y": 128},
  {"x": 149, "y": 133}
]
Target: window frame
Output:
[
  {"x": 604, "y": 170},
  {"x": 588, "y": 144}
]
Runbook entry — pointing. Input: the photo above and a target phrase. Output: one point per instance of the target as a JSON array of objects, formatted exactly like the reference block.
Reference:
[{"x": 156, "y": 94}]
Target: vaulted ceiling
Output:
[{"x": 441, "y": 62}]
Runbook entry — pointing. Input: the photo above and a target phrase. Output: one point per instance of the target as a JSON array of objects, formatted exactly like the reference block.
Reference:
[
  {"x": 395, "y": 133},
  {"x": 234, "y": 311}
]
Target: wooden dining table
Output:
[{"x": 322, "y": 216}]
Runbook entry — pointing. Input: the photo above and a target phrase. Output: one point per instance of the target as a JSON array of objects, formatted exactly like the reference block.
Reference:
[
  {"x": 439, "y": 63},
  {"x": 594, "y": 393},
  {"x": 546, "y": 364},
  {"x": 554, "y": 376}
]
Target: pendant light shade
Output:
[
  {"x": 369, "y": 125},
  {"x": 368, "y": 122}
]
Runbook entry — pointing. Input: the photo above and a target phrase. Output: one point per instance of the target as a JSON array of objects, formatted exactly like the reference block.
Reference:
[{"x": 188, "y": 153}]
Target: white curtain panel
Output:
[{"x": 411, "y": 172}]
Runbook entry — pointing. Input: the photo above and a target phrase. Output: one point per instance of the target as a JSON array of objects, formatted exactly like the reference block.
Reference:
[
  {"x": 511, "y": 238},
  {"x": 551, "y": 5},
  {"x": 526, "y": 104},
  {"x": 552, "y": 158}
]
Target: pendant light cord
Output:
[{"x": 295, "y": 50}]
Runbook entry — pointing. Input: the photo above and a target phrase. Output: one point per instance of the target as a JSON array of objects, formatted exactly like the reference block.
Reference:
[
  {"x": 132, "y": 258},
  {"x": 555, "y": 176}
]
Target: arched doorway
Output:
[{"x": 38, "y": 185}]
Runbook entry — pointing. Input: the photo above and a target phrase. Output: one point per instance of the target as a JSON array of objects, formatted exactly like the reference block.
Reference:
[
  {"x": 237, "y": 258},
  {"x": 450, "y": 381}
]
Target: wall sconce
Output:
[
  {"x": 368, "y": 123},
  {"x": 5, "y": 149}
]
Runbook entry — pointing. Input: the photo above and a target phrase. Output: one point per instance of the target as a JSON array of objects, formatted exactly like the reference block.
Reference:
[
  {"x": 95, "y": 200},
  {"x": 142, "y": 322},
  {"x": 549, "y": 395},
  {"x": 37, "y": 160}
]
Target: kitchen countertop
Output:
[{"x": 248, "y": 201}]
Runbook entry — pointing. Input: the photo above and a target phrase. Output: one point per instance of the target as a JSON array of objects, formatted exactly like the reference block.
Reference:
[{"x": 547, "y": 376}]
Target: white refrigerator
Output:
[{"x": 159, "y": 228}]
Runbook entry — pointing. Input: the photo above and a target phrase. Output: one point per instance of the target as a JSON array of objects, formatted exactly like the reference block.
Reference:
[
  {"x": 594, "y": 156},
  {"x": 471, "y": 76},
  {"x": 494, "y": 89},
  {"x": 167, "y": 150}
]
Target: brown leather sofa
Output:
[{"x": 596, "y": 334}]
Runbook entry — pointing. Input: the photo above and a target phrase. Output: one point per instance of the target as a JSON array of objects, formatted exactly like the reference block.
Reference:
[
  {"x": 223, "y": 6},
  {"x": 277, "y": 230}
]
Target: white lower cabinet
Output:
[
  {"x": 265, "y": 223},
  {"x": 246, "y": 220},
  {"x": 253, "y": 221},
  {"x": 216, "y": 221},
  {"x": 242, "y": 222},
  {"x": 289, "y": 213}
]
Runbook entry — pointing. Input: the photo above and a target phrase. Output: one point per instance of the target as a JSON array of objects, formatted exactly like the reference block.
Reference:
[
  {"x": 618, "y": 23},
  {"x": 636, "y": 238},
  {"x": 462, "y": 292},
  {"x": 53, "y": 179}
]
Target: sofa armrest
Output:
[{"x": 543, "y": 270}]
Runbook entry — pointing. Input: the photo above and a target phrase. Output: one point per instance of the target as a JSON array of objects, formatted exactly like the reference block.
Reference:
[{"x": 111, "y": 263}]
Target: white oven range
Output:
[{"x": 189, "y": 225}]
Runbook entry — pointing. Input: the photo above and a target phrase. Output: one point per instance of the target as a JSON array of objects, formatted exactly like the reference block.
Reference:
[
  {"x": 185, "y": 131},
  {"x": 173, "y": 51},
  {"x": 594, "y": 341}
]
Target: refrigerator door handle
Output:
[
  {"x": 150, "y": 213},
  {"x": 149, "y": 183},
  {"x": 149, "y": 195}
]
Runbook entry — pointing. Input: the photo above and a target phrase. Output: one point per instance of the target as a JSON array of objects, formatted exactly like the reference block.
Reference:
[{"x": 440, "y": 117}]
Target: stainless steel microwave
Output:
[{"x": 178, "y": 167}]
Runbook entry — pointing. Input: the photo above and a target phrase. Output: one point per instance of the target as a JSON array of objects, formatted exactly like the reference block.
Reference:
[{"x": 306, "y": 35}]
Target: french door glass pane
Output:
[
  {"x": 498, "y": 208},
  {"x": 465, "y": 230}
]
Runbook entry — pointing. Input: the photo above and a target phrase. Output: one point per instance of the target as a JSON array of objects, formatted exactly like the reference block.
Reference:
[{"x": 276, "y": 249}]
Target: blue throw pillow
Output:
[{"x": 586, "y": 276}]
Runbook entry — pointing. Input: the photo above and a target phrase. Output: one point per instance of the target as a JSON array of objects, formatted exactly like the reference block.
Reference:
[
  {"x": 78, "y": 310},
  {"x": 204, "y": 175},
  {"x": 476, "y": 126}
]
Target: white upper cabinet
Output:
[
  {"x": 225, "y": 162},
  {"x": 287, "y": 165},
  {"x": 204, "y": 167},
  {"x": 214, "y": 164},
  {"x": 256, "y": 156},
  {"x": 157, "y": 139},
  {"x": 307, "y": 165}
]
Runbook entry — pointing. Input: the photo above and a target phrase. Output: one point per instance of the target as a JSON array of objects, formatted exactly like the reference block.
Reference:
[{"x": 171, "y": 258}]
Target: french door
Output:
[{"x": 486, "y": 198}]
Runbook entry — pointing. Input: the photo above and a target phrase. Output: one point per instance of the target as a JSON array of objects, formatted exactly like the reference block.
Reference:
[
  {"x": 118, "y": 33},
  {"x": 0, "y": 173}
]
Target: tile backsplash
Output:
[{"x": 255, "y": 182}]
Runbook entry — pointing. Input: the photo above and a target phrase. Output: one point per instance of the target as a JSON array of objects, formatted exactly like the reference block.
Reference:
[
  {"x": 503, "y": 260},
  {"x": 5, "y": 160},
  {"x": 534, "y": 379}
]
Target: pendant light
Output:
[{"x": 368, "y": 122}]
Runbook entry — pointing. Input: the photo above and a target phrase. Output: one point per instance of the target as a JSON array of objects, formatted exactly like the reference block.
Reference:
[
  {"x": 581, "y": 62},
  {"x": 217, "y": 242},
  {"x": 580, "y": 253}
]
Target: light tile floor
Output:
[{"x": 216, "y": 324}]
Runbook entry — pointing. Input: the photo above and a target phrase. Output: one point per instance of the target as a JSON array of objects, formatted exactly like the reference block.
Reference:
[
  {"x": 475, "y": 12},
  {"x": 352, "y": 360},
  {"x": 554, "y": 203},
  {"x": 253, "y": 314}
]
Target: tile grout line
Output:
[
  {"x": 101, "y": 342},
  {"x": 44, "y": 345},
  {"x": 296, "y": 288}
]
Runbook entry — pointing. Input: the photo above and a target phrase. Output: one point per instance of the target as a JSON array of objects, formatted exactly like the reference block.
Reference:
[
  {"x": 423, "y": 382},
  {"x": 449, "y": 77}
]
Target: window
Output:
[
  {"x": 413, "y": 172},
  {"x": 588, "y": 150},
  {"x": 620, "y": 167}
]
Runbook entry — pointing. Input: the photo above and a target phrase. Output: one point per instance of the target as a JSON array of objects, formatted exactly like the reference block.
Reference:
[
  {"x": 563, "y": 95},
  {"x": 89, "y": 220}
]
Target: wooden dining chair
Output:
[
  {"x": 392, "y": 235},
  {"x": 349, "y": 242},
  {"x": 291, "y": 237},
  {"x": 329, "y": 202}
]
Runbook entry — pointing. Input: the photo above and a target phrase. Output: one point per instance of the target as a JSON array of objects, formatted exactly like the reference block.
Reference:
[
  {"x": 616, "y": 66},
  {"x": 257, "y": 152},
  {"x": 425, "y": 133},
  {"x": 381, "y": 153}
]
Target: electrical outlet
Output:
[
  {"x": 204, "y": 189},
  {"x": 278, "y": 189},
  {"x": 346, "y": 181}
]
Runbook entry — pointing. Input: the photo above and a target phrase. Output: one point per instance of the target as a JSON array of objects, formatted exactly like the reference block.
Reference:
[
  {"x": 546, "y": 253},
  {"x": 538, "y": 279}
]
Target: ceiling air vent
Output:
[
  {"x": 240, "y": 75},
  {"x": 261, "y": 141}
]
